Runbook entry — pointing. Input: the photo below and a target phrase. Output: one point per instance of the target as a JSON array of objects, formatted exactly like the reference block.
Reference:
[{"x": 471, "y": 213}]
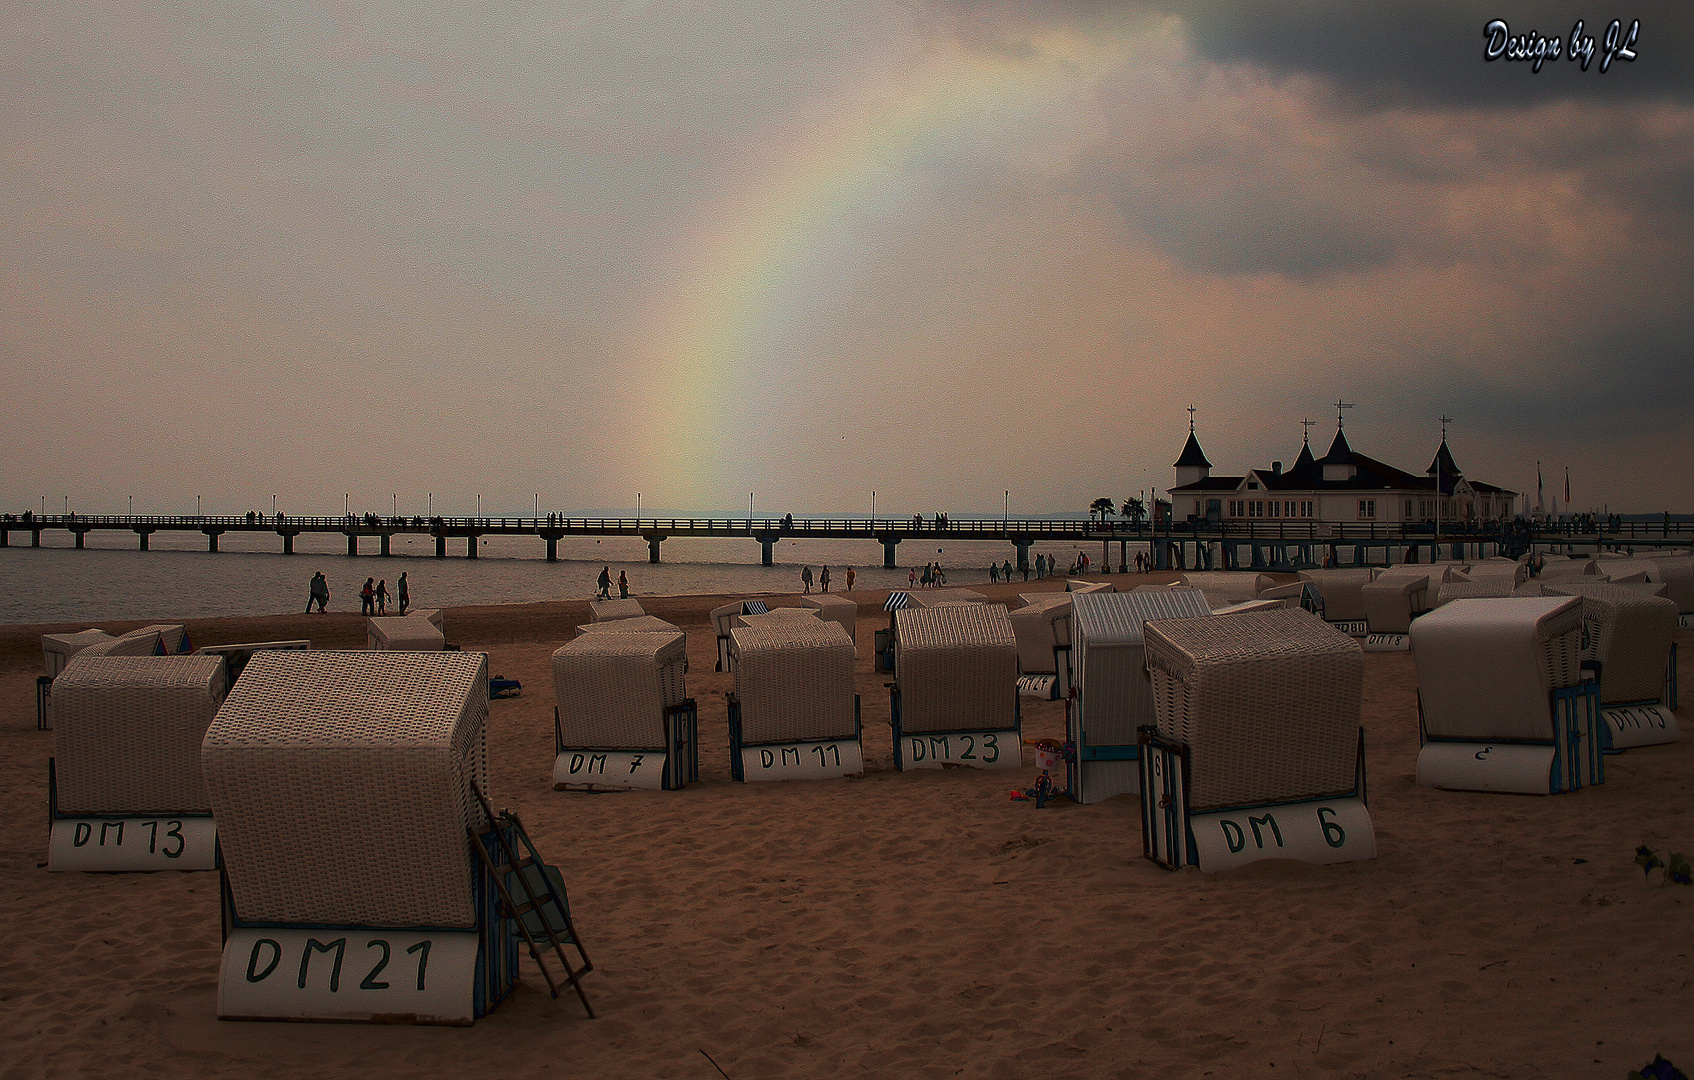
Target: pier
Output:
[{"x": 1268, "y": 545}]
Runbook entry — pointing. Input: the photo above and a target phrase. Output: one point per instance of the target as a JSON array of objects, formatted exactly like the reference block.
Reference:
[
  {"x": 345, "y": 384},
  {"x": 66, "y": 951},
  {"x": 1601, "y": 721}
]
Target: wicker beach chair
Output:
[
  {"x": 607, "y": 610},
  {"x": 837, "y": 609},
  {"x": 954, "y": 699},
  {"x": 58, "y": 649},
  {"x": 1676, "y": 572},
  {"x": 1114, "y": 697},
  {"x": 934, "y": 598},
  {"x": 1503, "y": 705},
  {"x": 403, "y": 633},
  {"x": 126, "y": 790},
  {"x": 144, "y": 642},
  {"x": 1479, "y": 590},
  {"x": 723, "y": 621},
  {"x": 1075, "y": 586},
  {"x": 1630, "y": 636},
  {"x": 1342, "y": 592},
  {"x": 897, "y": 601},
  {"x": 237, "y": 655},
  {"x": 1257, "y": 751},
  {"x": 350, "y": 791},
  {"x": 1558, "y": 566},
  {"x": 1042, "y": 630},
  {"x": 793, "y": 714},
  {"x": 1224, "y": 587},
  {"x": 624, "y": 720},
  {"x": 641, "y": 624}
]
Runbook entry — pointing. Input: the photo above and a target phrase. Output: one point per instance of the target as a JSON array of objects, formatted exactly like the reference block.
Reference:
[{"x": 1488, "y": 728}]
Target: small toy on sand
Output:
[{"x": 1050, "y": 754}]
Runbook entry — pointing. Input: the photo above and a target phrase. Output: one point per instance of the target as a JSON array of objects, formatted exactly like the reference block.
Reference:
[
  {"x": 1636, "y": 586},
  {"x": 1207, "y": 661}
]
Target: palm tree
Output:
[
  {"x": 1101, "y": 506},
  {"x": 1135, "y": 510}
]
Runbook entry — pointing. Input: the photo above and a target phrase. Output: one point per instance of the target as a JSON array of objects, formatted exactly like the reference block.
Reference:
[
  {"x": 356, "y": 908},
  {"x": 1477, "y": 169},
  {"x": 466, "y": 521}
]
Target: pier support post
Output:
[
  {"x": 287, "y": 542},
  {"x": 765, "y": 551},
  {"x": 470, "y": 546},
  {"x": 385, "y": 539},
  {"x": 79, "y": 534},
  {"x": 552, "y": 548},
  {"x": 440, "y": 546},
  {"x": 35, "y": 538},
  {"x": 1021, "y": 543},
  {"x": 889, "y": 543},
  {"x": 141, "y": 535},
  {"x": 1123, "y": 556},
  {"x": 5, "y": 538},
  {"x": 352, "y": 543},
  {"x": 212, "y": 538},
  {"x": 653, "y": 542}
]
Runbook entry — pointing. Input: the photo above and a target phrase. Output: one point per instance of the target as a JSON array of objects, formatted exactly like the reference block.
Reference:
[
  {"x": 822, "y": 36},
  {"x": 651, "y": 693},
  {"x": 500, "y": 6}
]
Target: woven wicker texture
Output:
[
  {"x": 436, "y": 616},
  {"x": 641, "y": 624},
  {"x": 1262, "y": 604},
  {"x": 776, "y": 616},
  {"x": 722, "y": 616},
  {"x": 1342, "y": 591},
  {"x": 134, "y": 643},
  {"x": 612, "y": 689},
  {"x": 1090, "y": 586},
  {"x": 795, "y": 681},
  {"x": 1039, "y": 628},
  {"x": 1225, "y": 586},
  {"x": 405, "y": 632},
  {"x": 1600, "y": 585},
  {"x": 127, "y": 731},
  {"x": 1267, "y": 702},
  {"x": 1115, "y": 695},
  {"x": 341, "y": 782},
  {"x": 1630, "y": 633},
  {"x": 957, "y": 667},
  {"x": 172, "y": 636},
  {"x": 57, "y": 649},
  {"x": 836, "y": 609},
  {"x": 1486, "y": 667},
  {"x": 1488, "y": 569},
  {"x": 1390, "y": 602},
  {"x": 1557, "y": 566},
  {"x": 1293, "y": 590},
  {"x": 607, "y": 610},
  {"x": 1473, "y": 590},
  {"x": 1677, "y": 574},
  {"x": 931, "y": 598}
]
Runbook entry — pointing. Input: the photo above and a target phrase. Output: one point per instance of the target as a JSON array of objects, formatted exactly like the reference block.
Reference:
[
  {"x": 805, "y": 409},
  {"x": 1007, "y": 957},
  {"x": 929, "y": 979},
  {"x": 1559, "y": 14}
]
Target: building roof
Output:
[
  {"x": 1305, "y": 457},
  {"x": 1339, "y": 452},
  {"x": 1192, "y": 455}
]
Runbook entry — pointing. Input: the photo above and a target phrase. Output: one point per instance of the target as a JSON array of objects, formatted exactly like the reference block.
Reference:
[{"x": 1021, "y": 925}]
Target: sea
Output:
[{"x": 179, "y": 579}]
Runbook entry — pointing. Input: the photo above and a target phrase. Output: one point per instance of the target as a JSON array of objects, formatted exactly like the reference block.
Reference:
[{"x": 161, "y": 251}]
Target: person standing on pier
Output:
[
  {"x": 404, "y": 593},
  {"x": 604, "y": 584},
  {"x": 806, "y": 577},
  {"x": 319, "y": 592},
  {"x": 623, "y": 586},
  {"x": 367, "y": 597},
  {"x": 382, "y": 597},
  {"x": 823, "y": 579}
]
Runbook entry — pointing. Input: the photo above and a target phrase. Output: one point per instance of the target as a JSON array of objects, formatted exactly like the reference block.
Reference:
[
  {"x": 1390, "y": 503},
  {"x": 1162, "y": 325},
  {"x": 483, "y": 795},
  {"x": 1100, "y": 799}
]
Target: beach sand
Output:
[{"x": 920, "y": 924}]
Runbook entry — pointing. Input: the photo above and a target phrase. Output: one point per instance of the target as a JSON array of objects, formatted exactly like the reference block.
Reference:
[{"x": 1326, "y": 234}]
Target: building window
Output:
[
  {"x": 1367, "y": 509},
  {"x": 1252, "y": 485},
  {"x": 1274, "y": 508},
  {"x": 1307, "y": 508},
  {"x": 1408, "y": 508}
]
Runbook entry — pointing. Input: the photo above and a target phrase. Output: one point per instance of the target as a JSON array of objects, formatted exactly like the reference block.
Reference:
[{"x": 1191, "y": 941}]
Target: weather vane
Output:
[
  {"x": 1191, "y": 411},
  {"x": 1308, "y": 425},
  {"x": 1339, "y": 405},
  {"x": 1445, "y": 420}
]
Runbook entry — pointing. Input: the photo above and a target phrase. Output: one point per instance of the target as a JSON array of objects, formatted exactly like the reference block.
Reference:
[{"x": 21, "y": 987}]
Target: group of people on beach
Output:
[
  {"x": 603, "y": 586},
  {"x": 823, "y": 578},
  {"x": 932, "y": 577},
  {"x": 373, "y": 597}
]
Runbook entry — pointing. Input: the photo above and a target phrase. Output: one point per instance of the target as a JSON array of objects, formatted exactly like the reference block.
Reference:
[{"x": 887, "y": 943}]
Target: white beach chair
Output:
[
  {"x": 366, "y": 877},
  {"x": 1341, "y": 593},
  {"x": 408, "y": 633},
  {"x": 144, "y": 642},
  {"x": 641, "y": 624},
  {"x": 58, "y": 649},
  {"x": 1676, "y": 572},
  {"x": 1042, "y": 629},
  {"x": 837, "y": 609},
  {"x": 1257, "y": 752},
  {"x": 1114, "y": 695},
  {"x": 623, "y": 719},
  {"x": 933, "y": 598},
  {"x": 954, "y": 700},
  {"x": 1502, "y": 701},
  {"x": 1225, "y": 587},
  {"x": 793, "y": 714},
  {"x": 607, "y": 610},
  {"x": 1630, "y": 636},
  {"x": 723, "y": 622},
  {"x": 1075, "y": 586},
  {"x": 124, "y": 783},
  {"x": 235, "y": 656}
]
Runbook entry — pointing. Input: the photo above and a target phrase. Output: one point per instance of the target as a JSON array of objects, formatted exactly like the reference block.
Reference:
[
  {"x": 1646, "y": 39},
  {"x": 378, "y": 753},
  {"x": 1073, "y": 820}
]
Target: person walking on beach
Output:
[
  {"x": 623, "y": 586},
  {"x": 604, "y": 585},
  {"x": 806, "y": 577},
  {"x": 367, "y": 598},
  {"x": 405, "y": 595},
  {"x": 382, "y": 597},
  {"x": 994, "y": 573},
  {"x": 319, "y": 592},
  {"x": 912, "y": 577},
  {"x": 1006, "y": 569},
  {"x": 850, "y": 577},
  {"x": 823, "y": 579}
]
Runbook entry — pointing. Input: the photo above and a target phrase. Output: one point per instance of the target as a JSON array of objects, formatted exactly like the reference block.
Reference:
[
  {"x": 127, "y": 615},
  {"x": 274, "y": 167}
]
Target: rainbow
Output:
[{"x": 758, "y": 260}]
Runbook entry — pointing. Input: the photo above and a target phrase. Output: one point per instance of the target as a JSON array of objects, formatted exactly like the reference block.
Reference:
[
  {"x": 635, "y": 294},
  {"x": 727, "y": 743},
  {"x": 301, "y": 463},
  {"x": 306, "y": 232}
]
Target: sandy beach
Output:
[{"x": 920, "y": 924}]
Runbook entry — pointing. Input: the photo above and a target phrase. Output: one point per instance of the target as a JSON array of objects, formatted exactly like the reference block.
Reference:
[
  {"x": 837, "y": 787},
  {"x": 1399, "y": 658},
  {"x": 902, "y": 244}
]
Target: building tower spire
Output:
[
  {"x": 1191, "y": 411},
  {"x": 1339, "y": 405}
]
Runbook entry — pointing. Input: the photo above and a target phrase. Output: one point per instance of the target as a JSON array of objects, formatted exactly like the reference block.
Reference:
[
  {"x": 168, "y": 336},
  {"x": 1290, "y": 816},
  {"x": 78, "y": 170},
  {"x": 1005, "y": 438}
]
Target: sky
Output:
[{"x": 964, "y": 255}]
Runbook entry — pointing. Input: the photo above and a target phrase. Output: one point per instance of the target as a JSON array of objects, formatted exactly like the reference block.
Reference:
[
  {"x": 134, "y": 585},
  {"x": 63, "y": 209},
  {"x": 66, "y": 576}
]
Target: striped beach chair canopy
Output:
[{"x": 897, "y": 600}]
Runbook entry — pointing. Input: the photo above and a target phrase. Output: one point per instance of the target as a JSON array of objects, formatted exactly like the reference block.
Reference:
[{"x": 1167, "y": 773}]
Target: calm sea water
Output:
[{"x": 179, "y": 579}]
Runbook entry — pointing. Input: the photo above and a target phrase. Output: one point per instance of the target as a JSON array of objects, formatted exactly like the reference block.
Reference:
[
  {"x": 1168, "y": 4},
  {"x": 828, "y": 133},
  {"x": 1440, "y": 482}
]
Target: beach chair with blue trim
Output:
[
  {"x": 1114, "y": 693},
  {"x": 366, "y": 877},
  {"x": 1257, "y": 752},
  {"x": 623, "y": 719},
  {"x": 954, "y": 699},
  {"x": 723, "y": 621},
  {"x": 1341, "y": 598},
  {"x": 1630, "y": 637},
  {"x": 793, "y": 714},
  {"x": 1043, "y": 631},
  {"x": 1505, "y": 701},
  {"x": 125, "y": 789},
  {"x": 898, "y": 600}
]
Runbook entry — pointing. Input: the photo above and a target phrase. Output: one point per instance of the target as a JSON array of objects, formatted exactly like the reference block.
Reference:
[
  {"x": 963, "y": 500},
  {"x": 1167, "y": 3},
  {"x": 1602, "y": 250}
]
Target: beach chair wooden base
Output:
[
  {"x": 1387, "y": 642},
  {"x": 984, "y": 748},
  {"x": 577, "y": 768},
  {"x": 1566, "y": 763},
  {"x": 1320, "y": 831},
  {"x": 816, "y": 759},
  {"x": 127, "y": 843}
]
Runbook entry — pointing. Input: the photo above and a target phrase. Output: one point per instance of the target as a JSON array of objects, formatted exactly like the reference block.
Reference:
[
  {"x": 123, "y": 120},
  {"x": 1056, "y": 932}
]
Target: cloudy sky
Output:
[{"x": 576, "y": 251}]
